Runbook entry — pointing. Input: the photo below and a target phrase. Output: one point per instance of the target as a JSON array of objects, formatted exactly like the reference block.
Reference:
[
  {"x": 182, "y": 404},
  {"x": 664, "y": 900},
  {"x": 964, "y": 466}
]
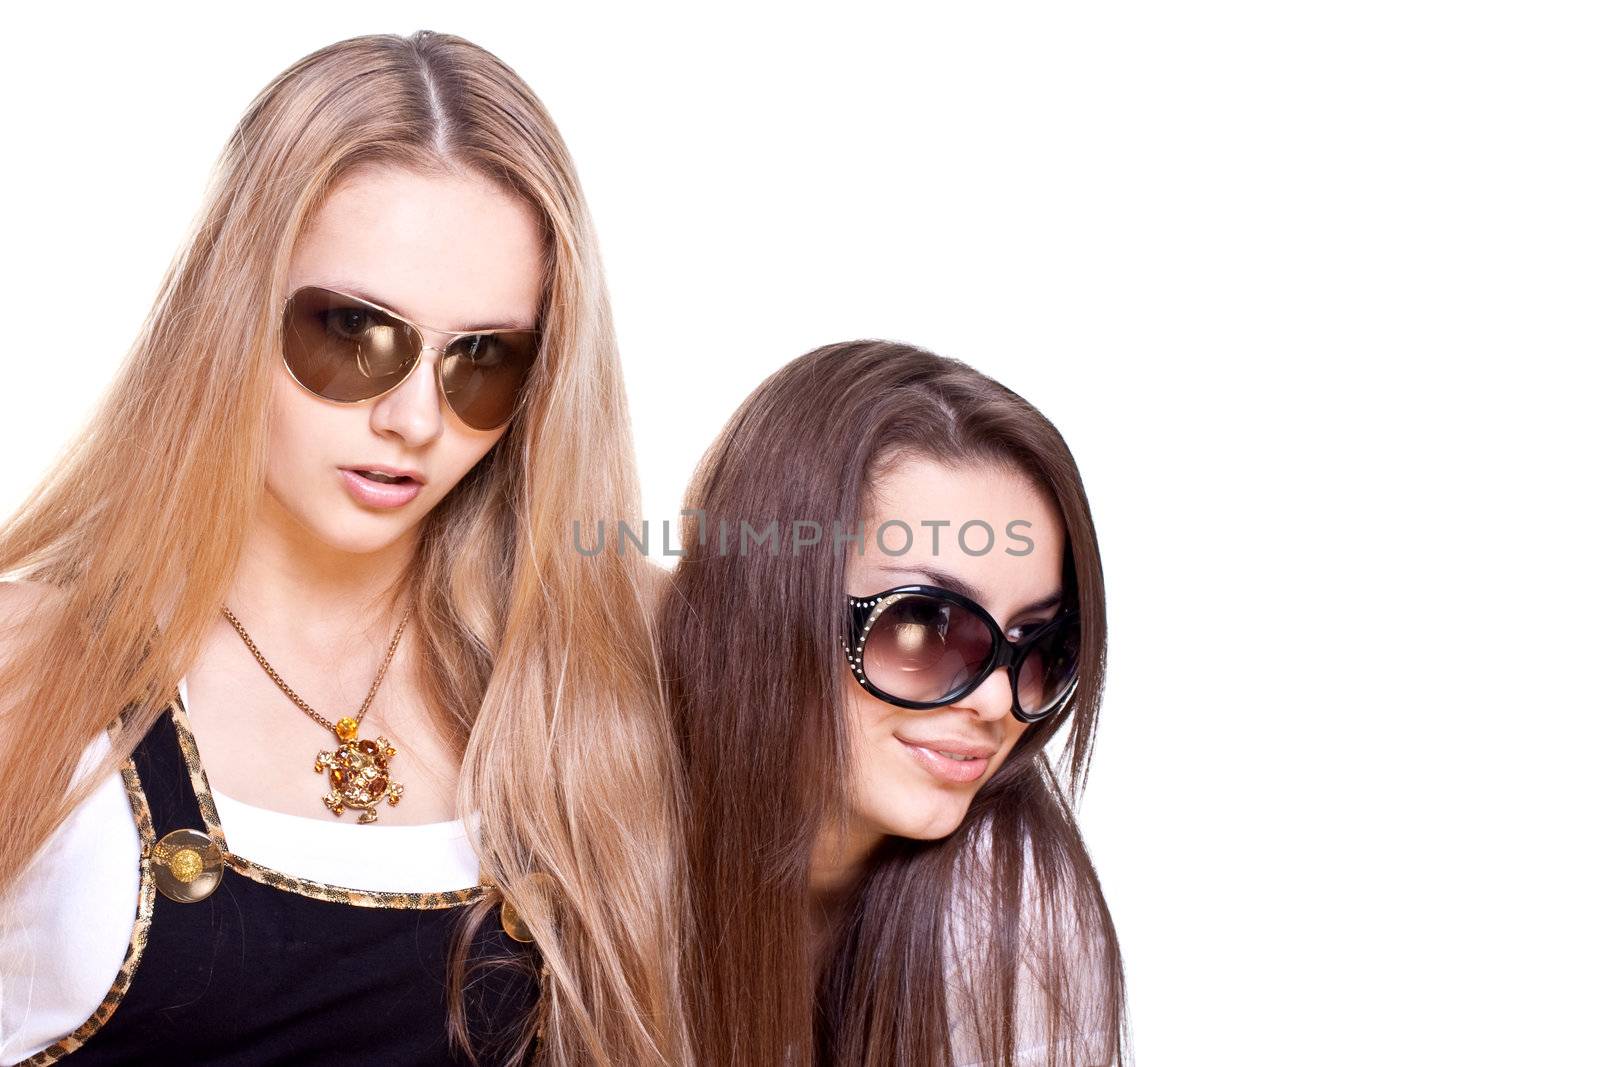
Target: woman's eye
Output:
[
  {"x": 926, "y": 614},
  {"x": 349, "y": 323},
  {"x": 1023, "y": 630},
  {"x": 482, "y": 350}
]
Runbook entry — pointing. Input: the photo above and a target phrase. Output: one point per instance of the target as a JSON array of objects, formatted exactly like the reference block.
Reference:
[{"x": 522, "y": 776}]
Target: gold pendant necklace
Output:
[{"x": 358, "y": 770}]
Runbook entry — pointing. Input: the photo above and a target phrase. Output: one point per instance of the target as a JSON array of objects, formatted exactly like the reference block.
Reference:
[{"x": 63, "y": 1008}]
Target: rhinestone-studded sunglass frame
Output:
[{"x": 866, "y": 612}]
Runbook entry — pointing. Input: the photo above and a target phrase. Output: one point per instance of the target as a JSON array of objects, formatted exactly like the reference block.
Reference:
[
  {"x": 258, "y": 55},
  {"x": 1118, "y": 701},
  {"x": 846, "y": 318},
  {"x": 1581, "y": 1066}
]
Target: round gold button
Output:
[
  {"x": 187, "y": 866},
  {"x": 511, "y": 922}
]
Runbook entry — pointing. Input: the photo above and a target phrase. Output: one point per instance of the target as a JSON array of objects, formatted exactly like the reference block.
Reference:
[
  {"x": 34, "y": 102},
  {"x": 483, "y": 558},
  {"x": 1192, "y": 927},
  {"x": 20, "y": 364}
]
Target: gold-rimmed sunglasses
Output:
[{"x": 349, "y": 350}]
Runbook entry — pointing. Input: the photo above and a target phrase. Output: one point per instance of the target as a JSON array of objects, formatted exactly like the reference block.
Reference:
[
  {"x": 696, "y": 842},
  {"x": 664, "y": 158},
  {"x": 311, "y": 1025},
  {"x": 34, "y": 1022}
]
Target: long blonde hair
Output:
[{"x": 564, "y": 752}]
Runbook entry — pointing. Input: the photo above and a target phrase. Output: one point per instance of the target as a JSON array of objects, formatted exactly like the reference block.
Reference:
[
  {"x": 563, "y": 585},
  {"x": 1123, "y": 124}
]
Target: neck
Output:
[
  {"x": 838, "y": 858},
  {"x": 312, "y": 596}
]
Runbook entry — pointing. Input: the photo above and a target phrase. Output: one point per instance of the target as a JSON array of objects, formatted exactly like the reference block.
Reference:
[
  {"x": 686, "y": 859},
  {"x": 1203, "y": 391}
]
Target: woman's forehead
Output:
[
  {"x": 450, "y": 252},
  {"x": 987, "y": 532}
]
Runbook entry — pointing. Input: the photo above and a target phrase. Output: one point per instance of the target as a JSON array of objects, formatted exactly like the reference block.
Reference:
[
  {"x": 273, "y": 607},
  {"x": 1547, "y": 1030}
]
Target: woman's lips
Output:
[
  {"x": 956, "y": 771},
  {"x": 379, "y": 494}
]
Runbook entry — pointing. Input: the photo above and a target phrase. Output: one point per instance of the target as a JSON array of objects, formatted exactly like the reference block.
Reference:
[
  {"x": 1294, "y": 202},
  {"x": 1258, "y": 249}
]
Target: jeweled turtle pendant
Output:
[{"x": 358, "y": 771}]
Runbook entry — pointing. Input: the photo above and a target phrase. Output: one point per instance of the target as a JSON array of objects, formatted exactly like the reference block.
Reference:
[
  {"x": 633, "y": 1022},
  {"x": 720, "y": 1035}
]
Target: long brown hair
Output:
[
  {"x": 750, "y": 644},
  {"x": 567, "y": 755}
]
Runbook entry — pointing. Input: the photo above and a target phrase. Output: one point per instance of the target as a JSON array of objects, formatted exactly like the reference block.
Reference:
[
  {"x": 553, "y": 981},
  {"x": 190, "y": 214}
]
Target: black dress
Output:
[{"x": 272, "y": 969}]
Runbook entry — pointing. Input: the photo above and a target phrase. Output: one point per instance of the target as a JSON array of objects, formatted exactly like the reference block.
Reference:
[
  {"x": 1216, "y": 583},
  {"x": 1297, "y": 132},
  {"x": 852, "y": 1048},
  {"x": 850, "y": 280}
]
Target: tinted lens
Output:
[
  {"x": 344, "y": 350},
  {"x": 1047, "y": 670},
  {"x": 484, "y": 375},
  {"x": 923, "y": 648}
]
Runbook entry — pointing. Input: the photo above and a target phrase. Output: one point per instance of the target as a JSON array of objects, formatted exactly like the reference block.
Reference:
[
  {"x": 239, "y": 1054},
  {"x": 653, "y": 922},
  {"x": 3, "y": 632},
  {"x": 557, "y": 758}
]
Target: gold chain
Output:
[{"x": 292, "y": 695}]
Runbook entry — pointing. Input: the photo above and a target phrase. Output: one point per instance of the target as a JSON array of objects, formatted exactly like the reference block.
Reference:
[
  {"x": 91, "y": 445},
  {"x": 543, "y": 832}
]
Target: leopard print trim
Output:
[
  {"x": 136, "y": 941},
  {"x": 544, "y": 1003},
  {"x": 361, "y": 898},
  {"x": 197, "y": 773}
]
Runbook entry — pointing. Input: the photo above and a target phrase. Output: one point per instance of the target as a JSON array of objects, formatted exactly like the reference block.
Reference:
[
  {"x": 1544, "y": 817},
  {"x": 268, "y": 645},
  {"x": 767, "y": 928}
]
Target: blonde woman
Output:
[{"x": 318, "y": 743}]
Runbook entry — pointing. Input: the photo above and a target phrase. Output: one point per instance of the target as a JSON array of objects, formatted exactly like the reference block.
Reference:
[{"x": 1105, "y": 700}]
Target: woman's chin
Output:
[
  {"x": 929, "y": 819},
  {"x": 346, "y": 542},
  {"x": 359, "y": 537},
  {"x": 342, "y": 527}
]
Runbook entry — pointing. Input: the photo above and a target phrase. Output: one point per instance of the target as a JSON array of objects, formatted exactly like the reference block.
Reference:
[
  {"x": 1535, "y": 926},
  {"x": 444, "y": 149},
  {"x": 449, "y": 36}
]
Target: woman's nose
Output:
[
  {"x": 415, "y": 411},
  {"x": 992, "y": 699}
]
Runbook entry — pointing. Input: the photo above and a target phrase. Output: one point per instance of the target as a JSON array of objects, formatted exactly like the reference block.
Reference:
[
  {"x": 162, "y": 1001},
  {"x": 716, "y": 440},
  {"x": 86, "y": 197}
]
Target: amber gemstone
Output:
[
  {"x": 369, "y": 747},
  {"x": 345, "y": 728},
  {"x": 336, "y": 776},
  {"x": 378, "y": 785}
]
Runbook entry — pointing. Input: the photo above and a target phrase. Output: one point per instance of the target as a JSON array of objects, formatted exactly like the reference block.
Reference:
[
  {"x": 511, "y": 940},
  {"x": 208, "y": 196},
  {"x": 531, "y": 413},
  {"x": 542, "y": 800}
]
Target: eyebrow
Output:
[
  {"x": 357, "y": 292},
  {"x": 950, "y": 581}
]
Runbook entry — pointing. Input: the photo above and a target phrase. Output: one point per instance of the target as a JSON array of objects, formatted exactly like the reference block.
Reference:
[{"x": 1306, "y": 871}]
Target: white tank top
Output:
[{"x": 65, "y": 926}]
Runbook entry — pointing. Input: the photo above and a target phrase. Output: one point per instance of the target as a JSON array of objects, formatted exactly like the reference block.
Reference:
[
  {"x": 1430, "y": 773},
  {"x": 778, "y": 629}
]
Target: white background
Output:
[{"x": 1310, "y": 291}]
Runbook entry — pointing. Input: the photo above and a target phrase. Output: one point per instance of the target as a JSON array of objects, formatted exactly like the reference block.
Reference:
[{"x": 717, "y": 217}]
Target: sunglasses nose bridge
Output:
[
  {"x": 422, "y": 357},
  {"x": 424, "y": 332}
]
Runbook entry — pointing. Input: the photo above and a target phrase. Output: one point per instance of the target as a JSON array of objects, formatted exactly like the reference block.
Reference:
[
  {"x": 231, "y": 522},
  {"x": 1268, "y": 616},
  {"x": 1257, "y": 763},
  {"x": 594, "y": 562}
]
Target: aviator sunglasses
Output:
[
  {"x": 347, "y": 350},
  {"x": 922, "y": 646}
]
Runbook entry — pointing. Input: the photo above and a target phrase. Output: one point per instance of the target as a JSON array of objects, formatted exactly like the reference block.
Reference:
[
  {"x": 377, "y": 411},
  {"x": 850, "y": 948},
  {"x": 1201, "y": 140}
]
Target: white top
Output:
[
  {"x": 969, "y": 931},
  {"x": 967, "y": 966},
  {"x": 65, "y": 927}
]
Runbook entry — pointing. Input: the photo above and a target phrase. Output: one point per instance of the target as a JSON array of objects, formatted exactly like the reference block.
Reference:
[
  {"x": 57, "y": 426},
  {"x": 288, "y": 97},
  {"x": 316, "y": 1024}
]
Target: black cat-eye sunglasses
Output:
[{"x": 922, "y": 646}]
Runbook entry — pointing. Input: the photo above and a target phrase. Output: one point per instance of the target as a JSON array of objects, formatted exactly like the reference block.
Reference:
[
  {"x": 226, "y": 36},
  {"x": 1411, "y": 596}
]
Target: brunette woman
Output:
[
  {"x": 305, "y": 753},
  {"x": 887, "y": 623}
]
